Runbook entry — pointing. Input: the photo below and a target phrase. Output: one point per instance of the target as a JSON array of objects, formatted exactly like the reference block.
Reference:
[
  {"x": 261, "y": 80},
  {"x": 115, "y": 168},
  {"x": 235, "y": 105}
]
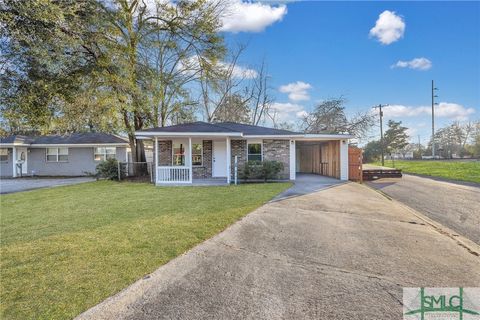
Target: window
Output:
[
  {"x": 197, "y": 150},
  {"x": 57, "y": 154},
  {"x": 254, "y": 152},
  {"x": 178, "y": 158},
  {"x": 3, "y": 155},
  {"x": 104, "y": 153}
]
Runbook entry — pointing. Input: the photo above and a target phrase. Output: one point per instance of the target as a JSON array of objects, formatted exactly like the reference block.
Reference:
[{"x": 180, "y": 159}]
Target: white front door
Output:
[
  {"x": 219, "y": 159},
  {"x": 22, "y": 154}
]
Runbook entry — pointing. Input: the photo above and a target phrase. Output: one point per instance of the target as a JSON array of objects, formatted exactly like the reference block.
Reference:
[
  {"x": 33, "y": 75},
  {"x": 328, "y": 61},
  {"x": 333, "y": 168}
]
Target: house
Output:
[
  {"x": 186, "y": 152},
  {"x": 68, "y": 155}
]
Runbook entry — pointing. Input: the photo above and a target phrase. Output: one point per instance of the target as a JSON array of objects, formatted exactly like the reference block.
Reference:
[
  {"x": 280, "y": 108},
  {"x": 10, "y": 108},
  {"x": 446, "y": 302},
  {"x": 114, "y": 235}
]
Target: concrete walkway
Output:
[
  {"x": 308, "y": 183},
  {"x": 24, "y": 184},
  {"x": 342, "y": 253}
]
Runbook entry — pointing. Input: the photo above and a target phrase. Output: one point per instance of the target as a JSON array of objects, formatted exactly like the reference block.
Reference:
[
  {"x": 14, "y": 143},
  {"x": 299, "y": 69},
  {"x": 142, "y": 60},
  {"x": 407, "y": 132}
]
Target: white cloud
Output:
[
  {"x": 288, "y": 112},
  {"x": 192, "y": 63},
  {"x": 388, "y": 28},
  {"x": 251, "y": 16},
  {"x": 448, "y": 110},
  {"x": 297, "y": 91},
  {"x": 416, "y": 64},
  {"x": 241, "y": 72}
]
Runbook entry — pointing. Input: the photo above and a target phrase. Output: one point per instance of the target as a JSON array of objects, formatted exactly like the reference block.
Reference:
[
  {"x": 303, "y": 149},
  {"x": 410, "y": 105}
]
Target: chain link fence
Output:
[{"x": 136, "y": 171}]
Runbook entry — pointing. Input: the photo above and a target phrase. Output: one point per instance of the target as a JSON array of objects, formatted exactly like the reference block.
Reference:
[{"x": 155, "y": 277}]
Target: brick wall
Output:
[
  {"x": 239, "y": 148},
  {"x": 278, "y": 150},
  {"x": 273, "y": 150},
  {"x": 165, "y": 153},
  {"x": 204, "y": 171}
]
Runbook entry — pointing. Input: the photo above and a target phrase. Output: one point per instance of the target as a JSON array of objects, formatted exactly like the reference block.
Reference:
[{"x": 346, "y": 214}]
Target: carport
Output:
[{"x": 321, "y": 157}]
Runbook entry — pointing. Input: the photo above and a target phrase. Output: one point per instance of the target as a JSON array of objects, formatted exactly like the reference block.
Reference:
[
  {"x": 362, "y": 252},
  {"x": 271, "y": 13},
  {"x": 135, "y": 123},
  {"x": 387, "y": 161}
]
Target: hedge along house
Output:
[
  {"x": 68, "y": 155},
  {"x": 199, "y": 150}
]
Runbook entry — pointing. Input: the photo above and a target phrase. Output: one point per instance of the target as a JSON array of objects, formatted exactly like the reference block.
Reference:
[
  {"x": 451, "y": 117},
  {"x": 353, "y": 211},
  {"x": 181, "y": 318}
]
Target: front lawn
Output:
[
  {"x": 66, "y": 249},
  {"x": 454, "y": 170}
]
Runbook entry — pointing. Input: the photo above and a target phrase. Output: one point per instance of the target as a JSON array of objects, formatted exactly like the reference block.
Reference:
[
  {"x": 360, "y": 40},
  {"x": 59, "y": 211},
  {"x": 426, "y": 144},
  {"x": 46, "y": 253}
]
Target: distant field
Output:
[{"x": 454, "y": 170}]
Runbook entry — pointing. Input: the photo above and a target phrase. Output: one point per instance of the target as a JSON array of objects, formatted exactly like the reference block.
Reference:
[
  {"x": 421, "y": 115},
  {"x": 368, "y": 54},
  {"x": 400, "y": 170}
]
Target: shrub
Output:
[
  {"x": 109, "y": 169},
  {"x": 265, "y": 170}
]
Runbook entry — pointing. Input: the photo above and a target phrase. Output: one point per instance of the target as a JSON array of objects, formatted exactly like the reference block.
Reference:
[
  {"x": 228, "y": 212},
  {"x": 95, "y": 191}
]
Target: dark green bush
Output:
[
  {"x": 264, "y": 170},
  {"x": 109, "y": 169}
]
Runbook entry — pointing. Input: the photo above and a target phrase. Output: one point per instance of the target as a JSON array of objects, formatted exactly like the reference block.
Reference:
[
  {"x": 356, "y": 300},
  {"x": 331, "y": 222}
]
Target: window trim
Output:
[
  {"x": 4, "y": 161},
  {"x": 184, "y": 154},
  {"x": 105, "y": 153},
  {"x": 57, "y": 154},
  {"x": 201, "y": 154},
  {"x": 261, "y": 150}
]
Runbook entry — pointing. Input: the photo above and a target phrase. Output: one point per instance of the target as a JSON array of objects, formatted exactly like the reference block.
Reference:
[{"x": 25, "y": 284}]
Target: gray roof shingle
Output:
[
  {"x": 221, "y": 127},
  {"x": 74, "y": 138}
]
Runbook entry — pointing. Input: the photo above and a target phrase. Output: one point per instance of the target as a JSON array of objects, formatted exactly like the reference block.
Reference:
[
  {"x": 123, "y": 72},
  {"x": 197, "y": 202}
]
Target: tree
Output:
[
  {"x": 232, "y": 108},
  {"x": 73, "y": 65},
  {"x": 329, "y": 117},
  {"x": 396, "y": 137},
  {"x": 372, "y": 151}
]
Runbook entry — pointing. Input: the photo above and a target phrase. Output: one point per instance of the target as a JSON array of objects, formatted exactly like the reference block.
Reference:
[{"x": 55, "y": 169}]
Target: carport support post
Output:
[
  {"x": 343, "y": 159},
  {"x": 293, "y": 160}
]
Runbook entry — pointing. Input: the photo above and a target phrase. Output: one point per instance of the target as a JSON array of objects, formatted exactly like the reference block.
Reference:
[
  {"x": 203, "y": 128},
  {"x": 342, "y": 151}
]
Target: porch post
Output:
[
  {"x": 343, "y": 159},
  {"x": 190, "y": 171},
  {"x": 293, "y": 160},
  {"x": 14, "y": 161},
  {"x": 229, "y": 161},
  {"x": 156, "y": 160}
]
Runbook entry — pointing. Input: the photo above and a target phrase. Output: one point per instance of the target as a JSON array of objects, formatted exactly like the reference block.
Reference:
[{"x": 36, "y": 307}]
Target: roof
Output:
[
  {"x": 69, "y": 139},
  {"x": 224, "y": 128},
  {"x": 251, "y": 130}
]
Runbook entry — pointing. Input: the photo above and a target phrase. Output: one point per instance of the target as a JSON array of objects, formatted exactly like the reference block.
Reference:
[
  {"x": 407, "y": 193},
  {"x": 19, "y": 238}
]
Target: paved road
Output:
[
  {"x": 456, "y": 206},
  {"x": 344, "y": 252},
  {"x": 24, "y": 184}
]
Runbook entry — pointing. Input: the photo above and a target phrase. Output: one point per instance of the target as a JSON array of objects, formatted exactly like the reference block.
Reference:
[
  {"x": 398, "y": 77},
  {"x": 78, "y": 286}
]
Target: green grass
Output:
[
  {"x": 66, "y": 249},
  {"x": 453, "y": 170}
]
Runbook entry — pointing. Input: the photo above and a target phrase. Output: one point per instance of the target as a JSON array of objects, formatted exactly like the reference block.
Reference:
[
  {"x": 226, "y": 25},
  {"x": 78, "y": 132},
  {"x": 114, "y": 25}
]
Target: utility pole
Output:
[
  {"x": 379, "y": 107},
  {"x": 433, "y": 118},
  {"x": 419, "y": 147}
]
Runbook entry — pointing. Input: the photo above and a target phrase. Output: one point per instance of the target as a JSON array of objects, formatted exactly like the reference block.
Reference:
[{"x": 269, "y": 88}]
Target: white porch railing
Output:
[{"x": 173, "y": 174}]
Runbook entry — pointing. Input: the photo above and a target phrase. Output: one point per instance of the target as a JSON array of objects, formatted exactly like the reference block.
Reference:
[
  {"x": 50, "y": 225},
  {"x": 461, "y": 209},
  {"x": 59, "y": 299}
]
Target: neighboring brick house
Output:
[{"x": 199, "y": 150}]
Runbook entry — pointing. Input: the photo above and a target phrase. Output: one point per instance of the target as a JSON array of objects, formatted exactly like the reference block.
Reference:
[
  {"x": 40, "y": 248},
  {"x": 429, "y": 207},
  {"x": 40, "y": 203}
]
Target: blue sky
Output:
[{"x": 328, "y": 49}]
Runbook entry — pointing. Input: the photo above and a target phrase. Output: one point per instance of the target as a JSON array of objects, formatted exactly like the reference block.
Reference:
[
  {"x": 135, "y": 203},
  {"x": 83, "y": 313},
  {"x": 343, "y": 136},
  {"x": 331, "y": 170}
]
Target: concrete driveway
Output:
[
  {"x": 308, "y": 183},
  {"x": 344, "y": 252},
  {"x": 455, "y": 205},
  {"x": 24, "y": 184}
]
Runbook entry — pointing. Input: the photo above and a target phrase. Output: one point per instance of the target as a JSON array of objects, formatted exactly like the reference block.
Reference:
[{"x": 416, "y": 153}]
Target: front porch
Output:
[{"x": 192, "y": 161}]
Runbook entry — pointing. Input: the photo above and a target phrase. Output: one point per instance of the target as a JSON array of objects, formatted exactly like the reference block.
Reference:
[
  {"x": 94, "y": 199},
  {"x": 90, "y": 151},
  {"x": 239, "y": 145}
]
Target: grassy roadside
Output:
[
  {"x": 66, "y": 249},
  {"x": 453, "y": 170}
]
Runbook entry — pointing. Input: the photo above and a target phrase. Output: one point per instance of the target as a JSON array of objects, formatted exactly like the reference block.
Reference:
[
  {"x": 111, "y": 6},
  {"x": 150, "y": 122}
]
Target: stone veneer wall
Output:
[
  {"x": 200, "y": 172},
  {"x": 278, "y": 150},
  {"x": 238, "y": 148},
  {"x": 273, "y": 150},
  {"x": 205, "y": 170},
  {"x": 165, "y": 153}
]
